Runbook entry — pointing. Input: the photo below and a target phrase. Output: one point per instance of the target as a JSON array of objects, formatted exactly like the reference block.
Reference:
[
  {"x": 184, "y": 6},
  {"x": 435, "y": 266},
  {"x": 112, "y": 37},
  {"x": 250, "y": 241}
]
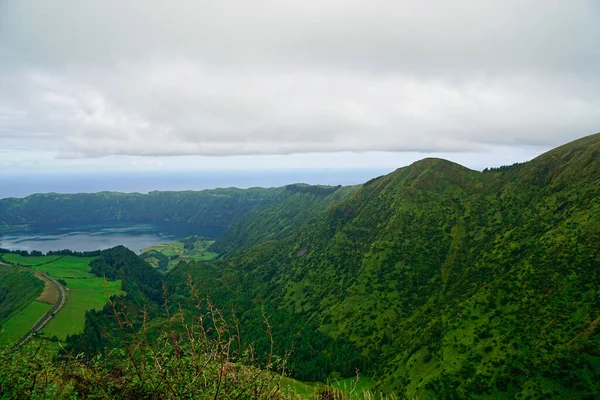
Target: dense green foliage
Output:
[
  {"x": 217, "y": 208},
  {"x": 18, "y": 288},
  {"x": 194, "y": 366},
  {"x": 137, "y": 275},
  {"x": 450, "y": 282},
  {"x": 292, "y": 208},
  {"x": 143, "y": 297}
]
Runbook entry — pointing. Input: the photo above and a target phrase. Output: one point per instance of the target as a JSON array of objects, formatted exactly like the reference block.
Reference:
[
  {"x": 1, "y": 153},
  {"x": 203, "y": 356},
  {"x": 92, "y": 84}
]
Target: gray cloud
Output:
[{"x": 268, "y": 77}]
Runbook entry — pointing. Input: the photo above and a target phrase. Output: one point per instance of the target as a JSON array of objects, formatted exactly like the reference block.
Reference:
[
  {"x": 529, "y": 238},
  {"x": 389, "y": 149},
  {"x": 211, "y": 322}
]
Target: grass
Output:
[
  {"x": 358, "y": 389},
  {"x": 85, "y": 291},
  {"x": 82, "y": 294},
  {"x": 18, "y": 288},
  {"x": 361, "y": 390},
  {"x": 297, "y": 389},
  {"x": 50, "y": 293},
  {"x": 68, "y": 267},
  {"x": 28, "y": 261},
  {"x": 16, "y": 327},
  {"x": 176, "y": 251}
]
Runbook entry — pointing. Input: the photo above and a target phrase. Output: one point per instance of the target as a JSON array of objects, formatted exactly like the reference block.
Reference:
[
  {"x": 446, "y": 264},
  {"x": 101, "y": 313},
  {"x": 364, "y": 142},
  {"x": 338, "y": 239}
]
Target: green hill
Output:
[
  {"x": 277, "y": 219},
  {"x": 216, "y": 208},
  {"x": 450, "y": 282}
]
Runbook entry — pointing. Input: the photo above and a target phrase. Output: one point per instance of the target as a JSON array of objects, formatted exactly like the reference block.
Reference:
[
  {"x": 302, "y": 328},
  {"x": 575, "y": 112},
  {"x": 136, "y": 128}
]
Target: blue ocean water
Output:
[{"x": 21, "y": 185}]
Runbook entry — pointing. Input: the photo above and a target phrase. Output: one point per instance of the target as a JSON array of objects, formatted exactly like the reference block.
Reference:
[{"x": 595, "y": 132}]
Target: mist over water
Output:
[
  {"x": 99, "y": 236},
  {"x": 21, "y": 185}
]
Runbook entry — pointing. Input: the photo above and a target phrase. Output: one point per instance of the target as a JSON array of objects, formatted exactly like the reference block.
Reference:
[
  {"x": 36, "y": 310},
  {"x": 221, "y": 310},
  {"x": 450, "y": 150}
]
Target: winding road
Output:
[{"x": 47, "y": 317}]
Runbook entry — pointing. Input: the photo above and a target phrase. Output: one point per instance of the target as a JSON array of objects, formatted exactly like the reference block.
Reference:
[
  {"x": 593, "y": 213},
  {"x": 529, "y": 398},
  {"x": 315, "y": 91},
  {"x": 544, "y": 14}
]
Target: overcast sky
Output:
[{"x": 292, "y": 84}]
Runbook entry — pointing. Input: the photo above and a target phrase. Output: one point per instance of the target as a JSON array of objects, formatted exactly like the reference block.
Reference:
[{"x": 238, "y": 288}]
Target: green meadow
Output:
[
  {"x": 166, "y": 256},
  {"x": 28, "y": 261},
  {"x": 16, "y": 327},
  {"x": 356, "y": 388},
  {"x": 85, "y": 291}
]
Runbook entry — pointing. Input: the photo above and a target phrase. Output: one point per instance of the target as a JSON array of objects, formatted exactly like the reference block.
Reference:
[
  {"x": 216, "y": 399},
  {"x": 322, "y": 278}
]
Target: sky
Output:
[{"x": 113, "y": 86}]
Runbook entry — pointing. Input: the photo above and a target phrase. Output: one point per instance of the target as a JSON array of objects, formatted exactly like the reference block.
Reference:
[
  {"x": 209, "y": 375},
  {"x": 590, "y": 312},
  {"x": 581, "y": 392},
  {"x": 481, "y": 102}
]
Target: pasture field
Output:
[
  {"x": 82, "y": 294},
  {"x": 28, "y": 261},
  {"x": 192, "y": 248},
  {"x": 18, "y": 288},
  {"x": 16, "y": 327},
  {"x": 68, "y": 267},
  {"x": 84, "y": 290}
]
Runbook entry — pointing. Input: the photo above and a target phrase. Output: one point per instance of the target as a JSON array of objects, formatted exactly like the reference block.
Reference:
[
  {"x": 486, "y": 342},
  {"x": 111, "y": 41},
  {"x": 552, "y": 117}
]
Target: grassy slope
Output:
[
  {"x": 18, "y": 308},
  {"x": 85, "y": 291},
  {"x": 17, "y": 289},
  {"x": 277, "y": 219},
  {"x": 451, "y": 281},
  {"x": 16, "y": 327}
]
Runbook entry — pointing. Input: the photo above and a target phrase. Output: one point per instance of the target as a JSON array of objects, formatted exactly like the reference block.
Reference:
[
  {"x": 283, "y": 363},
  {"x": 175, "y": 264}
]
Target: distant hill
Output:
[
  {"x": 216, "y": 208},
  {"x": 450, "y": 283}
]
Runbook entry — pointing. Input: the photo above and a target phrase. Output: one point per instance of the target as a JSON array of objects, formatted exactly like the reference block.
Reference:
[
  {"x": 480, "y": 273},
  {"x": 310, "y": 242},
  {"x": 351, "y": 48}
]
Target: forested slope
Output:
[
  {"x": 450, "y": 282},
  {"x": 291, "y": 209},
  {"x": 216, "y": 208}
]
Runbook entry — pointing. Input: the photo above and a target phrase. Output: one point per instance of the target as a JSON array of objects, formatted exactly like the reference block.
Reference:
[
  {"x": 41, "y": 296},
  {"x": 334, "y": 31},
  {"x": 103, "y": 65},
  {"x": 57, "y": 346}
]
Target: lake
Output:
[{"x": 99, "y": 236}]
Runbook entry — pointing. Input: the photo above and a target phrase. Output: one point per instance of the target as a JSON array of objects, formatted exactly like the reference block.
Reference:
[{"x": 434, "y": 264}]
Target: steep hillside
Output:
[
  {"x": 18, "y": 288},
  {"x": 217, "y": 208},
  {"x": 292, "y": 208},
  {"x": 450, "y": 282}
]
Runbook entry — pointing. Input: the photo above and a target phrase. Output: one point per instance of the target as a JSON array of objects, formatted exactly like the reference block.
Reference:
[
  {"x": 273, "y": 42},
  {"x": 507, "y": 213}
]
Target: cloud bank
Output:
[{"x": 96, "y": 79}]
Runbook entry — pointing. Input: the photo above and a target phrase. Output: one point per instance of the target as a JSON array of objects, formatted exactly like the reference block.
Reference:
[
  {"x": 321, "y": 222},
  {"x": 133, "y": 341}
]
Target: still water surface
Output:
[{"x": 87, "y": 237}]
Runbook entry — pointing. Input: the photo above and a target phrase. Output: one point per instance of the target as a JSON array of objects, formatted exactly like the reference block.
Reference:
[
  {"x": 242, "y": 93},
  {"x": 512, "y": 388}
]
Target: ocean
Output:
[{"x": 21, "y": 185}]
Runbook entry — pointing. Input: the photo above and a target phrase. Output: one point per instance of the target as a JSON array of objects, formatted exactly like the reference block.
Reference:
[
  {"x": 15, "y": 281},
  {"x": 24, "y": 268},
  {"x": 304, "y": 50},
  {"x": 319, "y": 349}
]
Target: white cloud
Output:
[{"x": 241, "y": 78}]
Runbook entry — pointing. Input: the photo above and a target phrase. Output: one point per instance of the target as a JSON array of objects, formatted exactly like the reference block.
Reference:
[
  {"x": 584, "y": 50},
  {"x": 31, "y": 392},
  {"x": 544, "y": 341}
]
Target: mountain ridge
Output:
[{"x": 430, "y": 268}]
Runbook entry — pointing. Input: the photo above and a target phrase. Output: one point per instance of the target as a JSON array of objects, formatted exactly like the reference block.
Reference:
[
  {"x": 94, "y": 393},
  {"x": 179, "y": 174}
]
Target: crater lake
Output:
[{"x": 98, "y": 236}]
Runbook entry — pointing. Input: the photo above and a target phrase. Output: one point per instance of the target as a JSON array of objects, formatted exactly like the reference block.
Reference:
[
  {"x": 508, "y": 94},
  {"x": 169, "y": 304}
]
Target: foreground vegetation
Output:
[
  {"x": 200, "y": 364},
  {"x": 197, "y": 356}
]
